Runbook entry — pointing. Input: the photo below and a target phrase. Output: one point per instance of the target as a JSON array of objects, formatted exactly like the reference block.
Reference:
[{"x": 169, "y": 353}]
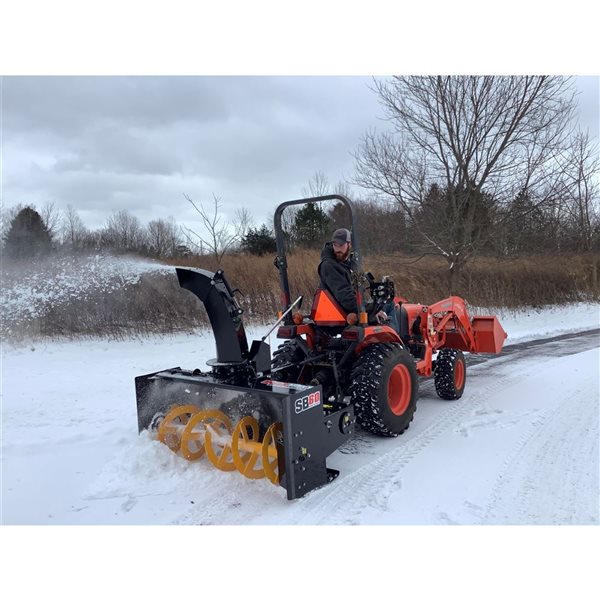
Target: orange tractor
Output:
[{"x": 281, "y": 417}]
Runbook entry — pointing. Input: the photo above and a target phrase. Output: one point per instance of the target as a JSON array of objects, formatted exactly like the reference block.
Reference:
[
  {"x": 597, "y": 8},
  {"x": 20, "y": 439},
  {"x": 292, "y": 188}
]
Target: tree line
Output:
[
  {"x": 471, "y": 166},
  {"x": 28, "y": 232},
  {"x": 524, "y": 227}
]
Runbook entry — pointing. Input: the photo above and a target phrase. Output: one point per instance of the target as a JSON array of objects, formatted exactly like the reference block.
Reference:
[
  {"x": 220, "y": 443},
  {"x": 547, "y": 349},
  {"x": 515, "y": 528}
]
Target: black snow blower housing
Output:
[{"x": 236, "y": 413}]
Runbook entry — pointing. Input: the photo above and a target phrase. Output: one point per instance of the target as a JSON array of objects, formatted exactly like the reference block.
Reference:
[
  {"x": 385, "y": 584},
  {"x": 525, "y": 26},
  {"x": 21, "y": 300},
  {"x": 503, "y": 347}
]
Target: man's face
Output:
[{"x": 341, "y": 251}]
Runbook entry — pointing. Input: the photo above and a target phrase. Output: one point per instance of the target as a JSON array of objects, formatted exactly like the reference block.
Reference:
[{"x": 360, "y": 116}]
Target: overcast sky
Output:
[{"x": 104, "y": 144}]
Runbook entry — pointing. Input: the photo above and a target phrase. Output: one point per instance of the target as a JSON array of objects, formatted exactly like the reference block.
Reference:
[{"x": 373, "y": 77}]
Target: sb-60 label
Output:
[{"x": 306, "y": 402}]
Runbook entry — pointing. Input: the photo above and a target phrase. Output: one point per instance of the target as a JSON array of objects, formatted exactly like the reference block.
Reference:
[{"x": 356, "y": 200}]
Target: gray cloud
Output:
[
  {"x": 589, "y": 104},
  {"x": 108, "y": 143},
  {"x": 104, "y": 144}
]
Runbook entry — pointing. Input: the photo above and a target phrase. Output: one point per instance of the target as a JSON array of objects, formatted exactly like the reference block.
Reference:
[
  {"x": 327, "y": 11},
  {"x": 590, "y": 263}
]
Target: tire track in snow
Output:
[
  {"x": 371, "y": 486},
  {"x": 343, "y": 501},
  {"x": 550, "y": 459}
]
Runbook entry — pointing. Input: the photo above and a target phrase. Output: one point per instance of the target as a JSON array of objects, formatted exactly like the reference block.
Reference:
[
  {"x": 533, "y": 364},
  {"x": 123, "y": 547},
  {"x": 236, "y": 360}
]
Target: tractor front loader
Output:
[{"x": 281, "y": 417}]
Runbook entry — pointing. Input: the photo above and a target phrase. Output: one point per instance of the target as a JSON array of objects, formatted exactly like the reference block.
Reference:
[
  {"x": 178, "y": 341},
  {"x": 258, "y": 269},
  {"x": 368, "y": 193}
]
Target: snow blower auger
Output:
[{"x": 281, "y": 418}]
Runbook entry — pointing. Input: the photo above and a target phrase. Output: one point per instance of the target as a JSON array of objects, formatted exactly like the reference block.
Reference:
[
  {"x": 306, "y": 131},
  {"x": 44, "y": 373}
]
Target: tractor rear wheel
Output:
[
  {"x": 384, "y": 389},
  {"x": 287, "y": 353},
  {"x": 450, "y": 374}
]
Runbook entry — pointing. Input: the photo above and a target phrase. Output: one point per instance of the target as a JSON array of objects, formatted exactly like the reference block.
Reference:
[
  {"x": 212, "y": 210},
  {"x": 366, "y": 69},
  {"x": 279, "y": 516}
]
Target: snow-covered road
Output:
[{"x": 520, "y": 447}]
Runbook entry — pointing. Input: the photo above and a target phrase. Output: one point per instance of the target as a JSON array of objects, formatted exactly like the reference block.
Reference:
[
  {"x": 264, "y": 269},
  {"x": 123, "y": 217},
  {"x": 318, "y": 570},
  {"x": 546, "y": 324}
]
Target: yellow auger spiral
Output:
[{"x": 197, "y": 432}]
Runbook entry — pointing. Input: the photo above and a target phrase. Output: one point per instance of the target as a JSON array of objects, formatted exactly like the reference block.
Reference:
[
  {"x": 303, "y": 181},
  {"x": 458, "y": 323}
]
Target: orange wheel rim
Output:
[
  {"x": 459, "y": 374},
  {"x": 399, "y": 389}
]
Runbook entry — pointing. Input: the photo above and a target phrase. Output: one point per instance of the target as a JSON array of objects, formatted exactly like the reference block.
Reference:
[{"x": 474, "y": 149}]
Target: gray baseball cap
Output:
[{"x": 341, "y": 236}]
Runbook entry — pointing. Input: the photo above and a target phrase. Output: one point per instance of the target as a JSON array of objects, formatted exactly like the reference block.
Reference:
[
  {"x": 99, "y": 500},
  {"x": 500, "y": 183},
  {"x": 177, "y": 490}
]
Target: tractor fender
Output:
[{"x": 378, "y": 334}]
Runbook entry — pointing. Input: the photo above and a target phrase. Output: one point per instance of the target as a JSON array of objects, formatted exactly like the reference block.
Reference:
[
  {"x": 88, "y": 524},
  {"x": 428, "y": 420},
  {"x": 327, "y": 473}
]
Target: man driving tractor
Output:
[{"x": 335, "y": 273}]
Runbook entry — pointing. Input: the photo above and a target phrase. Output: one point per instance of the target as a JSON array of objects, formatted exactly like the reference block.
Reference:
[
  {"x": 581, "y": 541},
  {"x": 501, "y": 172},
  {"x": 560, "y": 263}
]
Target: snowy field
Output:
[{"x": 520, "y": 446}]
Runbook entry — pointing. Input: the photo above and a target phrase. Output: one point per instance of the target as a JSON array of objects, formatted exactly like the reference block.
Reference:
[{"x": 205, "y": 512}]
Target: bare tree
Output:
[
  {"x": 242, "y": 222},
  {"x": 73, "y": 231},
  {"x": 123, "y": 232},
  {"x": 480, "y": 140},
  {"x": 318, "y": 185},
  {"x": 163, "y": 237},
  {"x": 342, "y": 187},
  {"x": 288, "y": 219},
  {"x": 51, "y": 218},
  {"x": 381, "y": 224},
  {"x": 219, "y": 236},
  {"x": 580, "y": 186}
]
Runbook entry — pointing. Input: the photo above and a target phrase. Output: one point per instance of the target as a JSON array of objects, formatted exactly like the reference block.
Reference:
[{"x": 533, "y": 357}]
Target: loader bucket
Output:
[
  {"x": 489, "y": 334},
  {"x": 296, "y": 435}
]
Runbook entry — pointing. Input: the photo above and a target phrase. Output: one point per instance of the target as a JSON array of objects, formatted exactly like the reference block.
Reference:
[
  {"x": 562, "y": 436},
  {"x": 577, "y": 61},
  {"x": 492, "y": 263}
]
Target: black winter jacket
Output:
[{"x": 336, "y": 278}]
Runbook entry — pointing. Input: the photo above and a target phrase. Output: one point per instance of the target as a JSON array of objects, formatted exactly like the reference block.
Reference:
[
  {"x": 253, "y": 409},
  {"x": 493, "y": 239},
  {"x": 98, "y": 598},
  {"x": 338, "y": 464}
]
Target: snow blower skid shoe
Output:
[{"x": 235, "y": 414}]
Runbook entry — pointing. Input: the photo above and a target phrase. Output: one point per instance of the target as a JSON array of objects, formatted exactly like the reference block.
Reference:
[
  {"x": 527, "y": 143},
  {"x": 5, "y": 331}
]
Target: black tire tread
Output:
[
  {"x": 444, "y": 374},
  {"x": 286, "y": 353},
  {"x": 369, "y": 392}
]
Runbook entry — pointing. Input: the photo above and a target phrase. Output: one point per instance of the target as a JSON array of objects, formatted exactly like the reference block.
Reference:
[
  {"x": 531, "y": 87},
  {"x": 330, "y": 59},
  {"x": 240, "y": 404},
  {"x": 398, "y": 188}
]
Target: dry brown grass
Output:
[
  {"x": 489, "y": 282},
  {"x": 156, "y": 304}
]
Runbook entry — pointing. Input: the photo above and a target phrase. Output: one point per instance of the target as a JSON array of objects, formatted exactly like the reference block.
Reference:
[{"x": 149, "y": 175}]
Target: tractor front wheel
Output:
[
  {"x": 384, "y": 389},
  {"x": 450, "y": 374}
]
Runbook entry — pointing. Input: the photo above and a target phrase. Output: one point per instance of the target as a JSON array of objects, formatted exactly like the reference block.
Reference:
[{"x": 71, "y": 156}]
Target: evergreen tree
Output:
[
  {"x": 259, "y": 241},
  {"x": 311, "y": 226},
  {"x": 27, "y": 235}
]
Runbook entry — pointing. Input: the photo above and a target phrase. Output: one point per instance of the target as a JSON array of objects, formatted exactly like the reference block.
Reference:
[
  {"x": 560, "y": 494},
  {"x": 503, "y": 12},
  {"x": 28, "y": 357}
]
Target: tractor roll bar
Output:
[{"x": 281, "y": 262}]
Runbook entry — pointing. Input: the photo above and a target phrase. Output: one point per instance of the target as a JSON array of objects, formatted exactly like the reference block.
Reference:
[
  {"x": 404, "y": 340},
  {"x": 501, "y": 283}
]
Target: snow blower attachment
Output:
[
  {"x": 281, "y": 418},
  {"x": 236, "y": 414}
]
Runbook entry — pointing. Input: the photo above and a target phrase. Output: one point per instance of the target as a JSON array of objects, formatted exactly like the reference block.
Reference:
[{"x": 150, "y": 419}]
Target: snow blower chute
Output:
[{"x": 281, "y": 418}]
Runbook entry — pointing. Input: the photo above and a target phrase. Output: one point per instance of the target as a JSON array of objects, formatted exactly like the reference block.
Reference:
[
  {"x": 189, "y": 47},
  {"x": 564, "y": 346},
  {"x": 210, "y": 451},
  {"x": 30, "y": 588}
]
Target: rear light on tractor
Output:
[
  {"x": 353, "y": 334},
  {"x": 286, "y": 333}
]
